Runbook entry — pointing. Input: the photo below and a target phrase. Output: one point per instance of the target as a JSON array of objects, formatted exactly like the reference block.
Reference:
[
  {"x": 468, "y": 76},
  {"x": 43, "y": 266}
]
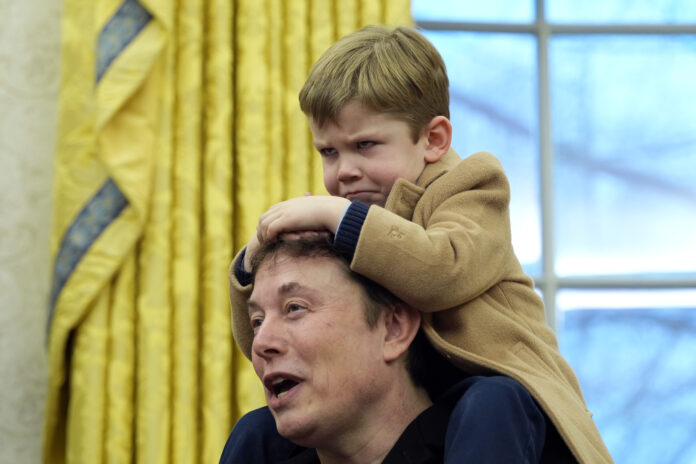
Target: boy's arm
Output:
[
  {"x": 456, "y": 246},
  {"x": 316, "y": 212}
]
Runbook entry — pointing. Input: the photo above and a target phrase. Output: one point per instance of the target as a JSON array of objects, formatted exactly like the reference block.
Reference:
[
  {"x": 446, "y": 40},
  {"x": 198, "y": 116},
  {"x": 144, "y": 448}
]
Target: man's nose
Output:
[{"x": 269, "y": 340}]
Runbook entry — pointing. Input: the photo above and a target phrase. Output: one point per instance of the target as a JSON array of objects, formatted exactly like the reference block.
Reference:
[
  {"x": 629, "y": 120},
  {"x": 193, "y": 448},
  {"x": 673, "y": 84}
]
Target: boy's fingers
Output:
[
  {"x": 290, "y": 236},
  {"x": 272, "y": 228},
  {"x": 310, "y": 234},
  {"x": 263, "y": 228}
]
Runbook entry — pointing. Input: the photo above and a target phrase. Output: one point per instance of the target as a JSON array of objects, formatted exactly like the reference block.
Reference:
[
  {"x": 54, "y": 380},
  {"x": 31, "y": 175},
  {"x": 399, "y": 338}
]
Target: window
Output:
[{"x": 591, "y": 108}]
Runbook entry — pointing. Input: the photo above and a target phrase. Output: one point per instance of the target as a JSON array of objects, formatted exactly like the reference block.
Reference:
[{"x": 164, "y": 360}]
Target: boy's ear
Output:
[
  {"x": 402, "y": 323},
  {"x": 438, "y": 134}
]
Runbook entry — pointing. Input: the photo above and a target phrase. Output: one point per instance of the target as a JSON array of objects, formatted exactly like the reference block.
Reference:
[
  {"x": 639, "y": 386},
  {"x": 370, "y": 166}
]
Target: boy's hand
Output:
[
  {"x": 301, "y": 214},
  {"x": 306, "y": 234},
  {"x": 253, "y": 245}
]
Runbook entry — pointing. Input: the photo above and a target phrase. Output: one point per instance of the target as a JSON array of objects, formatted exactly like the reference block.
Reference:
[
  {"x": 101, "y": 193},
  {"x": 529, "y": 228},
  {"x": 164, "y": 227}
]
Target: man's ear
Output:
[
  {"x": 402, "y": 323},
  {"x": 438, "y": 137}
]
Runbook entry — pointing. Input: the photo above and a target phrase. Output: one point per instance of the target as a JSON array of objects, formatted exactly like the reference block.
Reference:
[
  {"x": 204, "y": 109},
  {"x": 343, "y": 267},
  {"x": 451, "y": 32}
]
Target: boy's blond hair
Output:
[{"x": 394, "y": 71}]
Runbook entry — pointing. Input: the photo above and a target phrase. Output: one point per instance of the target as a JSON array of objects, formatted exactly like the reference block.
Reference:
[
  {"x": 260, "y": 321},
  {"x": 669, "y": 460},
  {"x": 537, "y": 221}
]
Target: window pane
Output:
[
  {"x": 633, "y": 352},
  {"x": 492, "y": 11},
  {"x": 493, "y": 102},
  {"x": 621, "y": 12},
  {"x": 624, "y": 133}
]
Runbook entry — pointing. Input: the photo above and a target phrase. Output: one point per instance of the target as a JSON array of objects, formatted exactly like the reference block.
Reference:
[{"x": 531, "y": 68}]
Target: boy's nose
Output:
[{"x": 348, "y": 170}]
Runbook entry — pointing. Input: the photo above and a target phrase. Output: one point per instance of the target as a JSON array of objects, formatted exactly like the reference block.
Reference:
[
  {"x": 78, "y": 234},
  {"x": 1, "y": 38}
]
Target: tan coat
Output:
[{"x": 448, "y": 252}]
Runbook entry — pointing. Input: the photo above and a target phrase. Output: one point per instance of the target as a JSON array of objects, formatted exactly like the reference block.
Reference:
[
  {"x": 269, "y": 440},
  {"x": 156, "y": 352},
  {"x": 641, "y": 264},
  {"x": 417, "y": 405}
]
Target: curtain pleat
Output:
[
  {"x": 120, "y": 387},
  {"x": 217, "y": 407},
  {"x": 178, "y": 126}
]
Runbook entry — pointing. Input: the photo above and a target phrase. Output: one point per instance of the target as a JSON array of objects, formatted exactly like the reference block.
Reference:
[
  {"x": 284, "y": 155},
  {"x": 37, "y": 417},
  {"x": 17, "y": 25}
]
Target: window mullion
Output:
[{"x": 549, "y": 279}]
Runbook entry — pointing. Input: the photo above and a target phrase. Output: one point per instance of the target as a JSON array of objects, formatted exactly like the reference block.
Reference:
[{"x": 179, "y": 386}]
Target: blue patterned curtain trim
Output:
[
  {"x": 109, "y": 201},
  {"x": 121, "y": 29},
  {"x": 97, "y": 214}
]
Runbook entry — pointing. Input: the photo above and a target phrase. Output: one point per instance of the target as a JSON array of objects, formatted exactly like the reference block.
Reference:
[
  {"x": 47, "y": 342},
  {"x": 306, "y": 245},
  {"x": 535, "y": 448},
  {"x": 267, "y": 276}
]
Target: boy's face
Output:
[{"x": 364, "y": 152}]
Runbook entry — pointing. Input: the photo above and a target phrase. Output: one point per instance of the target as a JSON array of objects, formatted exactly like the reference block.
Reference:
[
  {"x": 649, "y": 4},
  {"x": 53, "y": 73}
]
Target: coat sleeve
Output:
[
  {"x": 239, "y": 294},
  {"x": 456, "y": 245}
]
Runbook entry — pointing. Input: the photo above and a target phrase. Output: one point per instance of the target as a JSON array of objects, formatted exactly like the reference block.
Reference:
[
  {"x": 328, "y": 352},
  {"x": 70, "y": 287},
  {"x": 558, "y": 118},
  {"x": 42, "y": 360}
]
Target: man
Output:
[{"x": 349, "y": 378}]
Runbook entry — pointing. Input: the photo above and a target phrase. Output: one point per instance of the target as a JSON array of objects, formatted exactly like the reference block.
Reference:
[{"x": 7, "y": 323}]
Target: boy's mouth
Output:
[{"x": 365, "y": 196}]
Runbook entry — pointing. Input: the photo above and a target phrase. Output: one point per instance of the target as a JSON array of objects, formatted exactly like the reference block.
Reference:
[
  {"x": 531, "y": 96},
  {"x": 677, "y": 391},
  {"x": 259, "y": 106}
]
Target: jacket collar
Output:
[
  {"x": 433, "y": 171},
  {"x": 404, "y": 195}
]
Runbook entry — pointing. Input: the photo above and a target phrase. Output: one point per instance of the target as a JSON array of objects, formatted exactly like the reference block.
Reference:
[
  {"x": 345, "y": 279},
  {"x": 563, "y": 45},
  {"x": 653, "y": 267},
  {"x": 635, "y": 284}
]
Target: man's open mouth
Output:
[{"x": 281, "y": 385}]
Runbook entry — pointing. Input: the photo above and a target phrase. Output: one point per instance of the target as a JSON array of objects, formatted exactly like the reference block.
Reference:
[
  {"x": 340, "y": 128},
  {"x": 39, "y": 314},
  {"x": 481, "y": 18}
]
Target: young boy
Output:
[{"x": 432, "y": 228}]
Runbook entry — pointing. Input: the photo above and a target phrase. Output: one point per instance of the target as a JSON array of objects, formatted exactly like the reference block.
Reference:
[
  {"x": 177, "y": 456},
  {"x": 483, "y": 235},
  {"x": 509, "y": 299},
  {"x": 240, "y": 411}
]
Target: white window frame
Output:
[{"x": 548, "y": 282}]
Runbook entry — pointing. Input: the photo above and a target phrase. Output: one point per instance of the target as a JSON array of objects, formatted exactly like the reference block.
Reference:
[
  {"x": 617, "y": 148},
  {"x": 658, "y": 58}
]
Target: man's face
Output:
[
  {"x": 364, "y": 152},
  {"x": 320, "y": 363}
]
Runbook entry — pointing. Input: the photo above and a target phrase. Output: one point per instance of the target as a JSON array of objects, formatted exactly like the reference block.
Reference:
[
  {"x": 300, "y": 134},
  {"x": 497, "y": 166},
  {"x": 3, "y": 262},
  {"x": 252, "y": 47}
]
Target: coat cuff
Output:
[
  {"x": 348, "y": 233},
  {"x": 243, "y": 277}
]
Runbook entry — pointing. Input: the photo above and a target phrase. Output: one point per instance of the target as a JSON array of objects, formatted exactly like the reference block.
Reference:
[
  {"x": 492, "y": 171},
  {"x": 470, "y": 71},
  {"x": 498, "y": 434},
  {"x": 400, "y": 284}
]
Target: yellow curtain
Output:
[{"x": 178, "y": 126}]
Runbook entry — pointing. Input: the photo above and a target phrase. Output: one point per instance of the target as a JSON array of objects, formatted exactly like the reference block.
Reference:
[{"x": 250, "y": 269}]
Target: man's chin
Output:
[{"x": 298, "y": 432}]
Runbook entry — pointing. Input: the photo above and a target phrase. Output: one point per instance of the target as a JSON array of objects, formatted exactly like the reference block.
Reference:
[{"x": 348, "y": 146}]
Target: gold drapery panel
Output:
[{"x": 178, "y": 126}]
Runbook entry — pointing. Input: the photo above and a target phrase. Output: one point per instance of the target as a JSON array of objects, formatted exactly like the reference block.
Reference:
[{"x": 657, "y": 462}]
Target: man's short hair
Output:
[{"x": 394, "y": 71}]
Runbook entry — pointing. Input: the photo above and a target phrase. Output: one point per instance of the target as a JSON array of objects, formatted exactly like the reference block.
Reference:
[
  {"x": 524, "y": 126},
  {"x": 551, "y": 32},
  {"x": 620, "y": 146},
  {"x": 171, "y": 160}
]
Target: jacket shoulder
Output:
[{"x": 480, "y": 171}]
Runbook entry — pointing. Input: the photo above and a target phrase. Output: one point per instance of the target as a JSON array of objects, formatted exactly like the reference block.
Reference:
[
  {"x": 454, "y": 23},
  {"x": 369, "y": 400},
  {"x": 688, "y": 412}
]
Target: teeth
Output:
[
  {"x": 276, "y": 386},
  {"x": 281, "y": 386}
]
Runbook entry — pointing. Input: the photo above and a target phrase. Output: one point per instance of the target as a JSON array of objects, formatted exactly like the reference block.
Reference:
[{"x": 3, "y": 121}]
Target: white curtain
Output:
[{"x": 29, "y": 74}]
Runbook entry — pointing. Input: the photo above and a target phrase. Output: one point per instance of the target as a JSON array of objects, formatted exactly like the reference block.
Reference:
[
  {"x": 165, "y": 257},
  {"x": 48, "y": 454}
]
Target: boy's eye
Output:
[
  {"x": 365, "y": 144},
  {"x": 327, "y": 151}
]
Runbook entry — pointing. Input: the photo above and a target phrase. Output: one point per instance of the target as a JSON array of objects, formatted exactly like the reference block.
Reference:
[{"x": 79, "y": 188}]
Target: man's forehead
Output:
[
  {"x": 282, "y": 275},
  {"x": 290, "y": 287},
  {"x": 282, "y": 264}
]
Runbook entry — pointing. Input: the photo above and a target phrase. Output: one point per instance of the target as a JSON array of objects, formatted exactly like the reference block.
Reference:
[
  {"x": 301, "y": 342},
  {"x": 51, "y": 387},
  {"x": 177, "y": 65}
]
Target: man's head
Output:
[{"x": 330, "y": 347}]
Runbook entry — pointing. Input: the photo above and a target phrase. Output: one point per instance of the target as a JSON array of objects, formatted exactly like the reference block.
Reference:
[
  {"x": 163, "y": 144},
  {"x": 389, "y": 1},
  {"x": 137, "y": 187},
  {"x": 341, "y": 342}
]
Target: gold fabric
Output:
[{"x": 178, "y": 126}]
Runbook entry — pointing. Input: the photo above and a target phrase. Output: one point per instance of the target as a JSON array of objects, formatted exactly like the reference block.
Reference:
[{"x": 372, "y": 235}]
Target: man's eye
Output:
[
  {"x": 294, "y": 307},
  {"x": 256, "y": 322}
]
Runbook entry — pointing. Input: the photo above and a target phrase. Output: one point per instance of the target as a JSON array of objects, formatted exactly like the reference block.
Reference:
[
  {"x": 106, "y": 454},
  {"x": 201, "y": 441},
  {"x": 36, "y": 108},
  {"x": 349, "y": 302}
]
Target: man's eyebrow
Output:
[
  {"x": 288, "y": 287},
  {"x": 252, "y": 306},
  {"x": 284, "y": 289}
]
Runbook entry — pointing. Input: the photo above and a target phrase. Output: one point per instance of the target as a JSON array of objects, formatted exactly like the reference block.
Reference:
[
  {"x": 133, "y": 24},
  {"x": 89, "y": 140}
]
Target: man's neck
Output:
[{"x": 373, "y": 442}]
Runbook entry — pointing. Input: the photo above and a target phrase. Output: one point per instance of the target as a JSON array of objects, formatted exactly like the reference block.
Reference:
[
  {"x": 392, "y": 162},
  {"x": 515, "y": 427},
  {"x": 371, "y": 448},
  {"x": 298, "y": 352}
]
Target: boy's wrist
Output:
[
  {"x": 334, "y": 212},
  {"x": 349, "y": 228}
]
